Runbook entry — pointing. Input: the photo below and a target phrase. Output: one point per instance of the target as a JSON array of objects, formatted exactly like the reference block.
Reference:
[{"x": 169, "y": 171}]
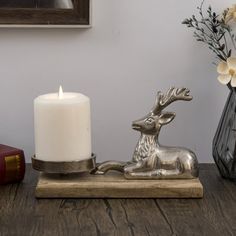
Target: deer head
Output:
[{"x": 153, "y": 121}]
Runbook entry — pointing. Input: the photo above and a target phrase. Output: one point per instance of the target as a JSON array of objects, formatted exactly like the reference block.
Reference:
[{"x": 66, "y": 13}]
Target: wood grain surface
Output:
[
  {"x": 22, "y": 214},
  {"x": 114, "y": 185}
]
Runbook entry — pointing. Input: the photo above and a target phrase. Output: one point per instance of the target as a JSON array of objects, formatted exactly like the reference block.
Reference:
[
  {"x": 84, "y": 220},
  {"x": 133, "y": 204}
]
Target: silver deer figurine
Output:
[{"x": 152, "y": 160}]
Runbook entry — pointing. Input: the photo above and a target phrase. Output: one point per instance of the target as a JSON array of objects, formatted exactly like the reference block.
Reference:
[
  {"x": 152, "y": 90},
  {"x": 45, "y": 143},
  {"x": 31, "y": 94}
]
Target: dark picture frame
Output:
[{"x": 45, "y": 16}]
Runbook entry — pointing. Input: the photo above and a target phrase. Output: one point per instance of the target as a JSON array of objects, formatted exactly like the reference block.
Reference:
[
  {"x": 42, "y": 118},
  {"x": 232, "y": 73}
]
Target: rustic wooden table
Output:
[{"x": 215, "y": 214}]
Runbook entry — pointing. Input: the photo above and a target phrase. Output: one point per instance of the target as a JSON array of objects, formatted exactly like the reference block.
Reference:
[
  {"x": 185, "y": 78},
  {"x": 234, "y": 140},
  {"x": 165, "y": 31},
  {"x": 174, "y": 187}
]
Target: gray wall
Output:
[{"x": 135, "y": 48}]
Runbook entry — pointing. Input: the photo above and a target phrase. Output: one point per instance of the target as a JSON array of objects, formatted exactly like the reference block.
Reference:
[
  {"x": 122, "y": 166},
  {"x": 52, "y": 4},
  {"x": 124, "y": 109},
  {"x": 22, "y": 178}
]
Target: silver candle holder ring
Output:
[{"x": 67, "y": 167}]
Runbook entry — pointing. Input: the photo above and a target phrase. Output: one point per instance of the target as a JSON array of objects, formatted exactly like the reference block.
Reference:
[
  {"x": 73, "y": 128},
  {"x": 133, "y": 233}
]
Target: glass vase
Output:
[{"x": 224, "y": 143}]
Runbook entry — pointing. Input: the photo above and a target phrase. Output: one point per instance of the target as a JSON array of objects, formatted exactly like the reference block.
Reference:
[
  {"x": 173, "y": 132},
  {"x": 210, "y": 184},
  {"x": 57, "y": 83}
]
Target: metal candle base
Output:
[{"x": 64, "y": 167}]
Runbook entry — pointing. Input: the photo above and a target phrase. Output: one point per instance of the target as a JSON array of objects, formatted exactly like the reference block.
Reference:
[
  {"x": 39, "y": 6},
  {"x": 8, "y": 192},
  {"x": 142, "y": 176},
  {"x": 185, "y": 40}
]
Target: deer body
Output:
[{"x": 150, "y": 159}]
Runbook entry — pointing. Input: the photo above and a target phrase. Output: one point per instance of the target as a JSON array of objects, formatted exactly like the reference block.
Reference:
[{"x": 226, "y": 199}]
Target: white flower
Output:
[
  {"x": 227, "y": 71},
  {"x": 231, "y": 14}
]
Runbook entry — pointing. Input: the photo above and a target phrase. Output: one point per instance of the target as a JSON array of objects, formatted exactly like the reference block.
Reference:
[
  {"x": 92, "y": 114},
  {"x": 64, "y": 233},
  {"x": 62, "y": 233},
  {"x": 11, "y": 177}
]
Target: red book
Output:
[{"x": 12, "y": 164}]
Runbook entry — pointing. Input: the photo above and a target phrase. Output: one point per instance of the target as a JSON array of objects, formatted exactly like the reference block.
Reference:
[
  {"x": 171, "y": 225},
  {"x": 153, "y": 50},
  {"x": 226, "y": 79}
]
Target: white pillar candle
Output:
[{"x": 62, "y": 127}]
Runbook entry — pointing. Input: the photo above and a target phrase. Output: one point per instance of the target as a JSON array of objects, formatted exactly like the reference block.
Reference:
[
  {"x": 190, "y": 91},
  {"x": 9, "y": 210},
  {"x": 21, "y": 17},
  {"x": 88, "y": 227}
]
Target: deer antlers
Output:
[{"x": 172, "y": 95}]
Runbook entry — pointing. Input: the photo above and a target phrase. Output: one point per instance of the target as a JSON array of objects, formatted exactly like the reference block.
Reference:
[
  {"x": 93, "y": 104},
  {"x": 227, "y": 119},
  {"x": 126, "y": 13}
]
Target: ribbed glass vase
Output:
[{"x": 224, "y": 143}]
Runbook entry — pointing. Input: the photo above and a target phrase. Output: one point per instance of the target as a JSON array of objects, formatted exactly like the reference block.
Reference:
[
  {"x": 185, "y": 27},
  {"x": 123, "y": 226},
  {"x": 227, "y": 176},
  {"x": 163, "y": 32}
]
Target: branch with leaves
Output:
[{"x": 214, "y": 31}]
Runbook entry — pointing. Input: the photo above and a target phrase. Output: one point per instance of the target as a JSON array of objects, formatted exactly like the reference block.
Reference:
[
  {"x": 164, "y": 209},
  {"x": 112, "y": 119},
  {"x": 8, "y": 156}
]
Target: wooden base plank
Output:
[{"x": 114, "y": 185}]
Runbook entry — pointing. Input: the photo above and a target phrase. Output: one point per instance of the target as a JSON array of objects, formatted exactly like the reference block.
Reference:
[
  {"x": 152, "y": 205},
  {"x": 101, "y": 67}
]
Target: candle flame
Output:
[{"x": 60, "y": 93}]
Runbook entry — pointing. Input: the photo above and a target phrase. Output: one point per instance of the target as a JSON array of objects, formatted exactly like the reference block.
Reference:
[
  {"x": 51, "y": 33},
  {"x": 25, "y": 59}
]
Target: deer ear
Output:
[{"x": 166, "y": 118}]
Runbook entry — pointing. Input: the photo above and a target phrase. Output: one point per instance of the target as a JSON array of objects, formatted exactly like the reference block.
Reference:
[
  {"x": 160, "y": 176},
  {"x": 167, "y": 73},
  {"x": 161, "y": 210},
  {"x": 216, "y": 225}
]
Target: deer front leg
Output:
[
  {"x": 140, "y": 171},
  {"x": 104, "y": 167},
  {"x": 141, "y": 167},
  {"x": 154, "y": 174},
  {"x": 134, "y": 167}
]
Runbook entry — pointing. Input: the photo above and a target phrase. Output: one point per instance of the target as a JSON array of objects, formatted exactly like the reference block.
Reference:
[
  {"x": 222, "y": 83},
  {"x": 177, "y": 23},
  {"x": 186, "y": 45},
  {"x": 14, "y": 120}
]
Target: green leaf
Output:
[
  {"x": 221, "y": 36},
  {"x": 221, "y": 57}
]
